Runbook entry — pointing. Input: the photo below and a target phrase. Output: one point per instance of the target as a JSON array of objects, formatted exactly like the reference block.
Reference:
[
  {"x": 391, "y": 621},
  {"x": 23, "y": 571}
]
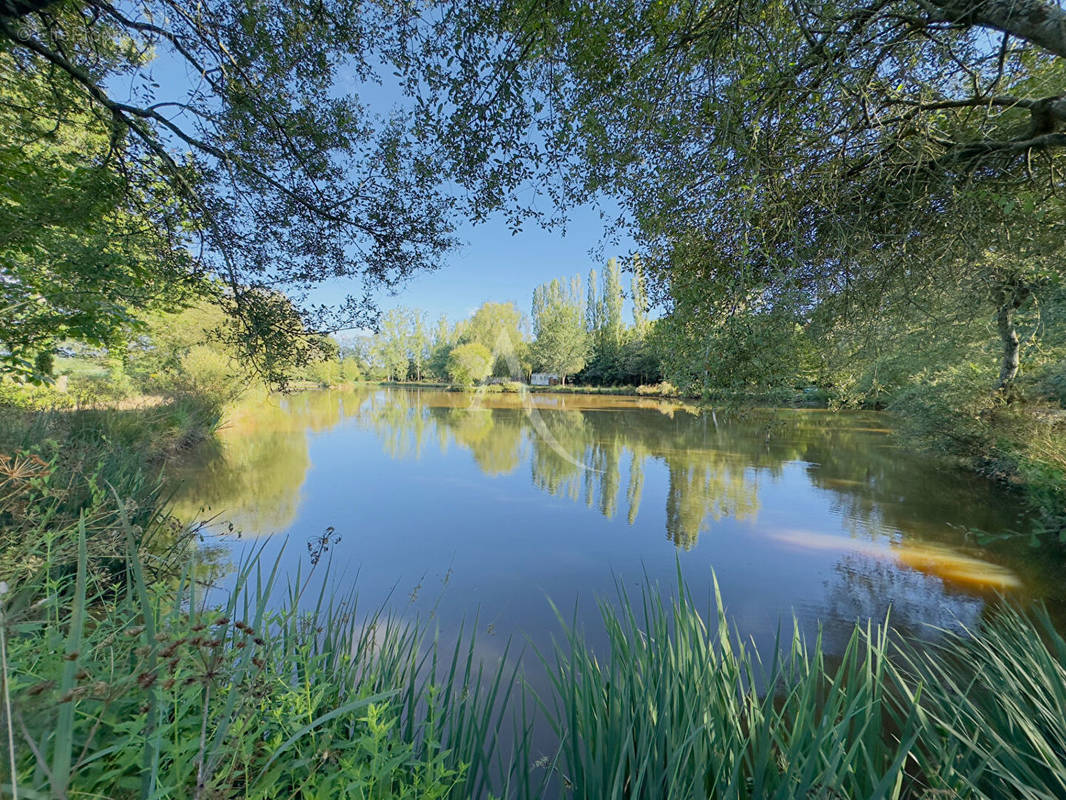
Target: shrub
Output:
[
  {"x": 664, "y": 389},
  {"x": 325, "y": 373},
  {"x": 350, "y": 370},
  {"x": 469, "y": 363}
]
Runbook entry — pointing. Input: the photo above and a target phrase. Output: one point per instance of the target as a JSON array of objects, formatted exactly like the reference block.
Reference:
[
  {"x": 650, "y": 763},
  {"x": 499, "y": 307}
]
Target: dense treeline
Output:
[{"x": 566, "y": 334}]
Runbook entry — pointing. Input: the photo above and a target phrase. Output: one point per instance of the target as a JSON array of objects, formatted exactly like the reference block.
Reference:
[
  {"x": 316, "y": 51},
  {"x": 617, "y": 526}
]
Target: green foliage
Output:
[
  {"x": 56, "y": 467},
  {"x": 158, "y": 697},
  {"x": 469, "y": 364},
  {"x": 83, "y": 253},
  {"x": 496, "y": 326},
  {"x": 991, "y": 701},
  {"x": 325, "y": 373},
  {"x": 741, "y": 353},
  {"x": 189, "y": 353},
  {"x": 351, "y": 370},
  {"x": 675, "y": 709},
  {"x": 664, "y": 389},
  {"x": 561, "y": 345},
  {"x": 269, "y": 177}
]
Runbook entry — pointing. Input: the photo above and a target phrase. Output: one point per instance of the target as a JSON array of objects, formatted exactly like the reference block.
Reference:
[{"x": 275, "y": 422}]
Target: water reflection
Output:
[
  {"x": 824, "y": 512},
  {"x": 252, "y": 473}
]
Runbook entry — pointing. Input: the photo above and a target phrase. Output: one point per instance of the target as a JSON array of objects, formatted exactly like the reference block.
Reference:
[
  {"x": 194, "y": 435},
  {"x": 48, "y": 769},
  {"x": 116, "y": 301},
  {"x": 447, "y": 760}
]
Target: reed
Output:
[
  {"x": 678, "y": 708},
  {"x": 157, "y": 691}
]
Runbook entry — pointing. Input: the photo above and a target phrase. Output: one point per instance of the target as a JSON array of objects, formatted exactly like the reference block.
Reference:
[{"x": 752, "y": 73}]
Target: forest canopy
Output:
[
  {"x": 228, "y": 152},
  {"x": 845, "y": 193}
]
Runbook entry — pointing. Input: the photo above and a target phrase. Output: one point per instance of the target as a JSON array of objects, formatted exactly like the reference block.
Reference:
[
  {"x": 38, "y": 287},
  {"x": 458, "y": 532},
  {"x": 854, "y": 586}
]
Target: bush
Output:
[
  {"x": 324, "y": 373},
  {"x": 1052, "y": 384},
  {"x": 350, "y": 370},
  {"x": 664, "y": 389},
  {"x": 469, "y": 363}
]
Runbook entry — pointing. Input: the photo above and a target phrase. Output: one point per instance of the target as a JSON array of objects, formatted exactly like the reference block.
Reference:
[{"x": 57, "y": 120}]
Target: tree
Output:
[
  {"x": 640, "y": 300},
  {"x": 594, "y": 306},
  {"x": 613, "y": 326},
  {"x": 562, "y": 341},
  {"x": 497, "y": 326},
  {"x": 419, "y": 343},
  {"x": 187, "y": 352},
  {"x": 393, "y": 343},
  {"x": 279, "y": 176},
  {"x": 786, "y": 153},
  {"x": 441, "y": 348},
  {"x": 469, "y": 363},
  {"x": 82, "y": 257}
]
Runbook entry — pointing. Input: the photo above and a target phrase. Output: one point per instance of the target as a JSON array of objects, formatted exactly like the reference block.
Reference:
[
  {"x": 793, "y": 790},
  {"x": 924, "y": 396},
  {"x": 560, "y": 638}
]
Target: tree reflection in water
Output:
[{"x": 599, "y": 450}]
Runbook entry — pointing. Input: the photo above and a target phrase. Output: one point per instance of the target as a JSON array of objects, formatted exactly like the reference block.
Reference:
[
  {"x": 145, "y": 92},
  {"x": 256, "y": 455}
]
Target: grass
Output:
[
  {"x": 151, "y": 692},
  {"x": 127, "y": 682},
  {"x": 676, "y": 711},
  {"x": 678, "y": 708}
]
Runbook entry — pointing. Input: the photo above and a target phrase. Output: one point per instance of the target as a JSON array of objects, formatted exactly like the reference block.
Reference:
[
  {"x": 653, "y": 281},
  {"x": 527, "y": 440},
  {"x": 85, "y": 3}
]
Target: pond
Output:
[{"x": 483, "y": 508}]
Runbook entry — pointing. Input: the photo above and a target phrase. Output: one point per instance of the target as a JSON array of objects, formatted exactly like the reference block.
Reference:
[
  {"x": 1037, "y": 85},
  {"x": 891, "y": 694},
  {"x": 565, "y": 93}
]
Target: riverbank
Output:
[{"x": 139, "y": 696}]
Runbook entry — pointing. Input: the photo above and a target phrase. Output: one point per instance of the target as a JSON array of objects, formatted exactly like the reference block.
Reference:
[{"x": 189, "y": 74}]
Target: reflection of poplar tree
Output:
[
  {"x": 611, "y": 479},
  {"x": 590, "y": 482},
  {"x": 706, "y": 484},
  {"x": 558, "y": 472},
  {"x": 636, "y": 483}
]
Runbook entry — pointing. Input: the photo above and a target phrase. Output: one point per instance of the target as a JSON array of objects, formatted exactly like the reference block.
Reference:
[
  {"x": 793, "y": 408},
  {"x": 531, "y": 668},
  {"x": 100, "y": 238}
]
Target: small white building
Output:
[{"x": 544, "y": 379}]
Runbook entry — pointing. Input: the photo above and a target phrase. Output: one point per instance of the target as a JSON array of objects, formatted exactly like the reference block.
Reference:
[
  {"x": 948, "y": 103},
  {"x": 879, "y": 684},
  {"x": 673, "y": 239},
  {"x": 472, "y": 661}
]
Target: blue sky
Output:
[{"x": 492, "y": 265}]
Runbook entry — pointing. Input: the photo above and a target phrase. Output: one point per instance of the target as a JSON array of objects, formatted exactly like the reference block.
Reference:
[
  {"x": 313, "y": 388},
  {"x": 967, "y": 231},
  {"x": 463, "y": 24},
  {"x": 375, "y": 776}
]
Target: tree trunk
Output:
[
  {"x": 13, "y": 9},
  {"x": 1008, "y": 334},
  {"x": 1010, "y": 296},
  {"x": 1037, "y": 21}
]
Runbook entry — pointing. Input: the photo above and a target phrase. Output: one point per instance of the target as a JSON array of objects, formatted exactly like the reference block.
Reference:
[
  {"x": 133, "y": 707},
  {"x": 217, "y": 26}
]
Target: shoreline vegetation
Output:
[{"x": 1021, "y": 444}]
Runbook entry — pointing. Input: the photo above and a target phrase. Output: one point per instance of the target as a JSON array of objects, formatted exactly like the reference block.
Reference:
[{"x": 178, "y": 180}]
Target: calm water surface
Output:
[{"x": 453, "y": 505}]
